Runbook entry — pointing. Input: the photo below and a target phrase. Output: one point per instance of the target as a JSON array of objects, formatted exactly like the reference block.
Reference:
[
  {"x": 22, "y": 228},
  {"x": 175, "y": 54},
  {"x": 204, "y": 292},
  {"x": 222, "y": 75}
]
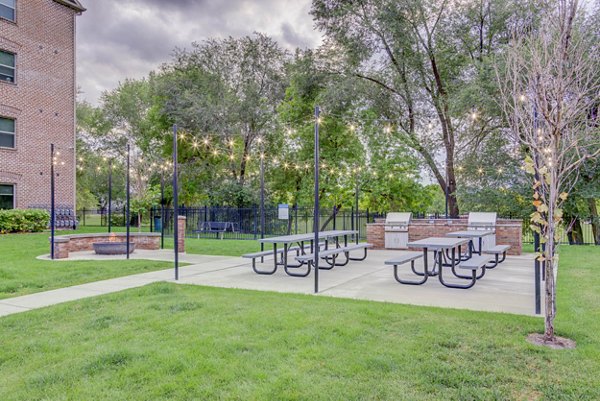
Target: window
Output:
[
  {"x": 7, "y": 9},
  {"x": 7, "y": 196},
  {"x": 7, "y": 133},
  {"x": 7, "y": 66}
]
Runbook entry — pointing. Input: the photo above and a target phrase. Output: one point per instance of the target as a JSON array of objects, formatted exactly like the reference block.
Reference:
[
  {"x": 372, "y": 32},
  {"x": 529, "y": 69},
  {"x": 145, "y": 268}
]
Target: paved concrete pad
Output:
[{"x": 507, "y": 288}]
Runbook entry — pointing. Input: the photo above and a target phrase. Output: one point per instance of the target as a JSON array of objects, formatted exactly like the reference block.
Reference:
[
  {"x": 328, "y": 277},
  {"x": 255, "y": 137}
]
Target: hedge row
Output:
[{"x": 23, "y": 221}]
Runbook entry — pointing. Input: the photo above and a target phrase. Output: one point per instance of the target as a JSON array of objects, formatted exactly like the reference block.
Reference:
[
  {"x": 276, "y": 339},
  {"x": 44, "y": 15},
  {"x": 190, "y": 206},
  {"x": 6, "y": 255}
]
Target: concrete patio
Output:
[{"x": 509, "y": 288}]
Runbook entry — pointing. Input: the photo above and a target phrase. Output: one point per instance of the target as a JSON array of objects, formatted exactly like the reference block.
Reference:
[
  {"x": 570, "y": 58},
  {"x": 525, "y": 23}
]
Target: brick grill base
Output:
[
  {"x": 64, "y": 244},
  {"x": 508, "y": 232}
]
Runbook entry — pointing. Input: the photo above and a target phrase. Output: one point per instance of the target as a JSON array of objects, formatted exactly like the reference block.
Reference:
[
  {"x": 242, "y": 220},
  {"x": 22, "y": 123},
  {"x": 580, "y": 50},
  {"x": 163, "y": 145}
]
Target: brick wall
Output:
[
  {"x": 42, "y": 101},
  {"x": 64, "y": 244},
  {"x": 508, "y": 232}
]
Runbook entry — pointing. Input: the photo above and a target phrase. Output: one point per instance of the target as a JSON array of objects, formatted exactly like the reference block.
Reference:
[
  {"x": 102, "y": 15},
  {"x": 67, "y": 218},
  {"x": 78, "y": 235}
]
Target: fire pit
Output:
[{"x": 113, "y": 248}]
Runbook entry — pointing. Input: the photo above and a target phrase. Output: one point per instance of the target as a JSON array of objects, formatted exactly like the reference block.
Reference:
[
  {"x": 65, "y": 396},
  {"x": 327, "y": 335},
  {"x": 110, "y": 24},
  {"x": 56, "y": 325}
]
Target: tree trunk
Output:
[
  {"x": 595, "y": 220},
  {"x": 550, "y": 284},
  {"x": 575, "y": 232}
]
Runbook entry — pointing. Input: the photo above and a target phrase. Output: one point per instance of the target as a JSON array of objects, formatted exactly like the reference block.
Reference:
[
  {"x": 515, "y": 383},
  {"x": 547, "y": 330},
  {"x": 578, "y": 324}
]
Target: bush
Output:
[{"x": 23, "y": 221}]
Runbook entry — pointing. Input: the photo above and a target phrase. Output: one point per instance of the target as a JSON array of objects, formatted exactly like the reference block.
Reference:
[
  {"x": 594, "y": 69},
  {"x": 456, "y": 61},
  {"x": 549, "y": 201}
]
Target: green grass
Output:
[
  {"x": 21, "y": 273},
  {"x": 167, "y": 341}
]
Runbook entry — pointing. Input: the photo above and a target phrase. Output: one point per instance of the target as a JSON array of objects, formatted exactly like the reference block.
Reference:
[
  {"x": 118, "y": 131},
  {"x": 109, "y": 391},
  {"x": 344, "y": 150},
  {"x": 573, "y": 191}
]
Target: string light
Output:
[
  {"x": 522, "y": 98},
  {"x": 480, "y": 170}
]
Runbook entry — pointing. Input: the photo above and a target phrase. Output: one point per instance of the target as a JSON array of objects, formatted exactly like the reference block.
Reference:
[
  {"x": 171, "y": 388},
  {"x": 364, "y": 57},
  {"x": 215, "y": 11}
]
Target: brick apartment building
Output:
[{"x": 37, "y": 100}]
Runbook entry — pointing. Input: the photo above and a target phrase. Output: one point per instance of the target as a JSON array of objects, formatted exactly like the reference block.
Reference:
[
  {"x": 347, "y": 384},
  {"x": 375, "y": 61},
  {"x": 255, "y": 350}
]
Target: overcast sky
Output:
[{"x": 118, "y": 39}]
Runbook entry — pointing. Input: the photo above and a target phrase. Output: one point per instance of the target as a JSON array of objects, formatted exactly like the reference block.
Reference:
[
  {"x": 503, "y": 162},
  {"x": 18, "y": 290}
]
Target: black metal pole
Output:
[
  {"x": 316, "y": 217},
  {"x": 175, "y": 204},
  {"x": 262, "y": 201},
  {"x": 110, "y": 166},
  {"x": 357, "y": 225},
  {"x": 162, "y": 208},
  {"x": 128, "y": 211},
  {"x": 52, "y": 202}
]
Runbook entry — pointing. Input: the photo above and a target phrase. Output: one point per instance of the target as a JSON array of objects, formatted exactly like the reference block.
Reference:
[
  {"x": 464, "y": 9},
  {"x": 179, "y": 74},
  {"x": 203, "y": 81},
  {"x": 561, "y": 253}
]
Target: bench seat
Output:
[
  {"x": 476, "y": 262},
  {"x": 404, "y": 258},
  {"x": 260, "y": 254},
  {"x": 497, "y": 249}
]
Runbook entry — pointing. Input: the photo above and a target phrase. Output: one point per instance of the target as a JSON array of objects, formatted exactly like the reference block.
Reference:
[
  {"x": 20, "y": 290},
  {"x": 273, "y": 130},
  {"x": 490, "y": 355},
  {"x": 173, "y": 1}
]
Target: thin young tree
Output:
[{"x": 550, "y": 92}]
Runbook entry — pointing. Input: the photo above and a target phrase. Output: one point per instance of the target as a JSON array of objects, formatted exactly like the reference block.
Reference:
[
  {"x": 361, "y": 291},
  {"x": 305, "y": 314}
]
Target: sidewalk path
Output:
[{"x": 199, "y": 264}]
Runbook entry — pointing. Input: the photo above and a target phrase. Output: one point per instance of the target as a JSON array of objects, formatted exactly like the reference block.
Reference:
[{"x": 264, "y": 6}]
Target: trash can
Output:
[{"x": 157, "y": 224}]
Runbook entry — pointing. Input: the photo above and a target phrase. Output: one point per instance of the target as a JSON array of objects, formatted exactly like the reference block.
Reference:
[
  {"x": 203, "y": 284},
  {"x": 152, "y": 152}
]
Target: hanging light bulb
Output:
[{"x": 480, "y": 170}]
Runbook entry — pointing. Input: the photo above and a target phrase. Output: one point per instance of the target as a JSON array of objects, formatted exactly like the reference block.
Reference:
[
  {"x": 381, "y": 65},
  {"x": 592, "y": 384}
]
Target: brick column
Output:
[
  {"x": 61, "y": 248},
  {"x": 181, "y": 223}
]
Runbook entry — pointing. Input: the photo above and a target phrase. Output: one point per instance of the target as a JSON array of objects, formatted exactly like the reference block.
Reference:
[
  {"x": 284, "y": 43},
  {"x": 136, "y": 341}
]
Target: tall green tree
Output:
[{"x": 430, "y": 62}]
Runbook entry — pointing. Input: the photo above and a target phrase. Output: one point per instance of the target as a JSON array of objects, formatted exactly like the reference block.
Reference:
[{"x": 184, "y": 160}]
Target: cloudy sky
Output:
[{"x": 118, "y": 39}]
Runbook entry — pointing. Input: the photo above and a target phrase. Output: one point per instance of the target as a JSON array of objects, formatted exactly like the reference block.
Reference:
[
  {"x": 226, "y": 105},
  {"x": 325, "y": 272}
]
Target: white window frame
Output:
[
  {"x": 14, "y": 194},
  {"x": 14, "y": 13},
  {"x": 14, "y": 68},
  {"x": 14, "y": 133}
]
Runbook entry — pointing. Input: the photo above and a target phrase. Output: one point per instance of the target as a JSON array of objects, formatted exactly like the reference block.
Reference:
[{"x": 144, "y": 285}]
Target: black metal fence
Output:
[{"x": 245, "y": 223}]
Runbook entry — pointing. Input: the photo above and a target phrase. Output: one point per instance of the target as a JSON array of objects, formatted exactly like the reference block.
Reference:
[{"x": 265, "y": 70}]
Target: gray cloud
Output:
[{"x": 118, "y": 39}]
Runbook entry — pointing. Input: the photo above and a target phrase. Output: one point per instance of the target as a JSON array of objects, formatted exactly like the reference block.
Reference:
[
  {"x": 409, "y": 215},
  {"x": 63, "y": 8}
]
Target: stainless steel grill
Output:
[
  {"x": 396, "y": 230},
  {"x": 483, "y": 221}
]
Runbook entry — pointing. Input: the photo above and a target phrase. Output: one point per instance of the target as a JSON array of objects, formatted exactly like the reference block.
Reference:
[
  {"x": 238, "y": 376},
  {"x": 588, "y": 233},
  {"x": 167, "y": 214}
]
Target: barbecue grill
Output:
[
  {"x": 396, "y": 230},
  {"x": 483, "y": 221}
]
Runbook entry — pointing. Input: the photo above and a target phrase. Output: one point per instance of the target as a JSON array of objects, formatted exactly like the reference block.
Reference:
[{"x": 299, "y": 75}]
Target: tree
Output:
[
  {"x": 224, "y": 90},
  {"x": 550, "y": 88},
  {"x": 429, "y": 66}
]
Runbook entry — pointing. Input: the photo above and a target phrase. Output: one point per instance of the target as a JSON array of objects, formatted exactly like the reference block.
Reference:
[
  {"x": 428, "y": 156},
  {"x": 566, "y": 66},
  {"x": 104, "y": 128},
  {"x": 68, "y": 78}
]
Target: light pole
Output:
[
  {"x": 316, "y": 217},
  {"x": 52, "y": 201},
  {"x": 162, "y": 207},
  {"x": 262, "y": 196},
  {"x": 175, "y": 204},
  {"x": 127, "y": 214},
  {"x": 110, "y": 167}
]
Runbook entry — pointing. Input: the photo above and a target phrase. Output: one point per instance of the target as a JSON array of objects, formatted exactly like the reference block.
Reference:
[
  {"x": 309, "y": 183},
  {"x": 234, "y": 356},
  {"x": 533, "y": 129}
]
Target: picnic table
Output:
[
  {"x": 301, "y": 239},
  {"x": 439, "y": 246},
  {"x": 472, "y": 235}
]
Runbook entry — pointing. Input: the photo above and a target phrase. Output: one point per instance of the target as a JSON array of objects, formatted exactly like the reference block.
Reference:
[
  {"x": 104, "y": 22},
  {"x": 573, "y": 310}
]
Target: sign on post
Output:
[{"x": 284, "y": 212}]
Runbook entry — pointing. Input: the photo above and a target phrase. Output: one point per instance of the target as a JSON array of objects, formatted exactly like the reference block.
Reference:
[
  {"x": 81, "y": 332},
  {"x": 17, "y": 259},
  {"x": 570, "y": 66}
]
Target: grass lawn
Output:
[
  {"x": 21, "y": 273},
  {"x": 167, "y": 341}
]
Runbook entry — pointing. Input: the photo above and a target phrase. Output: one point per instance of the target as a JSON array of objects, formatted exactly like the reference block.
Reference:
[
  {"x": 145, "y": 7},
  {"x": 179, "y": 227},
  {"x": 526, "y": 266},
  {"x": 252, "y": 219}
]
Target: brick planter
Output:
[
  {"x": 63, "y": 244},
  {"x": 508, "y": 232}
]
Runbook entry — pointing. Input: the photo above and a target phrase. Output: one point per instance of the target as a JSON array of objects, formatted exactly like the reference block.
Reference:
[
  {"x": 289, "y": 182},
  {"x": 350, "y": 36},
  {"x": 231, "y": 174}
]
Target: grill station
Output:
[
  {"x": 483, "y": 221},
  {"x": 396, "y": 230}
]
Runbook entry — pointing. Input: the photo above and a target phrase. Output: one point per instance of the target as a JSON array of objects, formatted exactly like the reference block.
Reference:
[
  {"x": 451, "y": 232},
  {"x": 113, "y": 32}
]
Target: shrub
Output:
[{"x": 23, "y": 221}]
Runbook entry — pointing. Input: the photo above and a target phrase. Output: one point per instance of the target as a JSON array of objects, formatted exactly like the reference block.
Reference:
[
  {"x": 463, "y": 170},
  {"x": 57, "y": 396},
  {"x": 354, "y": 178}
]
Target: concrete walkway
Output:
[{"x": 508, "y": 288}]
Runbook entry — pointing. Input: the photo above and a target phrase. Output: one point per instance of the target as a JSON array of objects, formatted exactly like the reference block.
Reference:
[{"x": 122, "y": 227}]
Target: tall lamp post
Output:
[
  {"x": 127, "y": 214},
  {"x": 316, "y": 213},
  {"x": 162, "y": 207},
  {"x": 175, "y": 204},
  {"x": 262, "y": 196},
  {"x": 110, "y": 168},
  {"x": 52, "y": 201},
  {"x": 53, "y": 162}
]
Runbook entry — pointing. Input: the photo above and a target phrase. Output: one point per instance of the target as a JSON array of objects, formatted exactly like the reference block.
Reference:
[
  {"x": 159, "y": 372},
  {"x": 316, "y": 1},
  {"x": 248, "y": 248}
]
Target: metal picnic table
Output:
[
  {"x": 439, "y": 245},
  {"x": 301, "y": 239},
  {"x": 471, "y": 234}
]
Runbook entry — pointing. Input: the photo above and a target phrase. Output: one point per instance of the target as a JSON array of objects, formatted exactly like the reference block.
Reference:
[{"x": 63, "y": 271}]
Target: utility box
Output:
[{"x": 396, "y": 230}]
